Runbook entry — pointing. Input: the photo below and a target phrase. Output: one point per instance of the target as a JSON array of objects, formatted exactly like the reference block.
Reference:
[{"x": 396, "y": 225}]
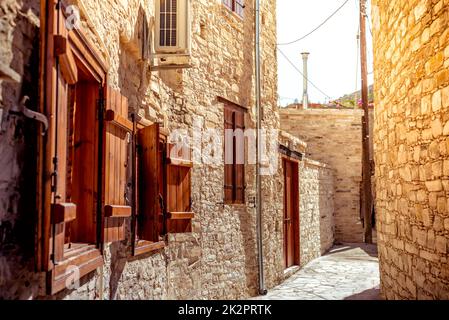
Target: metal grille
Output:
[{"x": 168, "y": 23}]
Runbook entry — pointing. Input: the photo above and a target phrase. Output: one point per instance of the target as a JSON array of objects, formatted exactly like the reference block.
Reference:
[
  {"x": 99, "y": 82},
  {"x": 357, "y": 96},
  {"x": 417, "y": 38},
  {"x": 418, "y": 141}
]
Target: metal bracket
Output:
[
  {"x": 252, "y": 203},
  {"x": 22, "y": 109}
]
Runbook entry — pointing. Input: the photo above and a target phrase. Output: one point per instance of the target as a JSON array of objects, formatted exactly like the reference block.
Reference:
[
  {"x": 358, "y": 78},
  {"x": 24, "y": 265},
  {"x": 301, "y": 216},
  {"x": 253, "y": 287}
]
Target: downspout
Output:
[{"x": 259, "y": 225}]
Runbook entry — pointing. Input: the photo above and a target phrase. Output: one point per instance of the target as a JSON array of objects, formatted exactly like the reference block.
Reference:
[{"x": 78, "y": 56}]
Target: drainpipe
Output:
[
  {"x": 262, "y": 290},
  {"x": 305, "y": 99}
]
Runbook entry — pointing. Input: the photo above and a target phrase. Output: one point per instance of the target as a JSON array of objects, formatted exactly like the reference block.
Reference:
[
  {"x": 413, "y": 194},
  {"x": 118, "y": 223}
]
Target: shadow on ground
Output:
[{"x": 371, "y": 294}]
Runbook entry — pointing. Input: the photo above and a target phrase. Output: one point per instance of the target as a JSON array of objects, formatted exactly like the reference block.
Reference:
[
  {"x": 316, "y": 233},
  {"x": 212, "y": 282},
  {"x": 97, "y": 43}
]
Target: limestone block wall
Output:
[
  {"x": 316, "y": 203},
  {"x": 316, "y": 210},
  {"x": 411, "y": 48},
  {"x": 217, "y": 260},
  {"x": 334, "y": 137}
]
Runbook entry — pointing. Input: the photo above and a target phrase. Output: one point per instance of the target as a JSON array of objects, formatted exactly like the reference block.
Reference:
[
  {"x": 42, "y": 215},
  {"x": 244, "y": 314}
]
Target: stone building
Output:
[
  {"x": 334, "y": 136},
  {"x": 104, "y": 61},
  {"x": 411, "y": 49}
]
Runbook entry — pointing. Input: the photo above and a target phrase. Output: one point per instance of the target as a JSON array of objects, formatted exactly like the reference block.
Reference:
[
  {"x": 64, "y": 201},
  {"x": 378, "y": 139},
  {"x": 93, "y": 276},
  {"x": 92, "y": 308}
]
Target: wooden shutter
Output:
[
  {"x": 239, "y": 156},
  {"x": 56, "y": 211},
  {"x": 234, "y": 176},
  {"x": 229, "y": 158},
  {"x": 179, "y": 203},
  {"x": 68, "y": 192},
  {"x": 116, "y": 175},
  {"x": 149, "y": 170}
]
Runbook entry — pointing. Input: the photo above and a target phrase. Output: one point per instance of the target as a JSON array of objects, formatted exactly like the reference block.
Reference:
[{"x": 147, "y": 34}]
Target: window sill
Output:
[
  {"x": 86, "y": 258},
  {"x": 144, "y": 247},
  {"x": 235, "y": 14},
  {"x": 235, "y": 204},
  {"x": 234, "y": 20}
]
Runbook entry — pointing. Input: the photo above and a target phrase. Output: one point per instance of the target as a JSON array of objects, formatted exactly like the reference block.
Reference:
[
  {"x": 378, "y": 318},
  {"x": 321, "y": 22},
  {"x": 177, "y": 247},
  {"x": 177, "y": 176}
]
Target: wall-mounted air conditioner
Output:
[{"x": 172, "y": 28}]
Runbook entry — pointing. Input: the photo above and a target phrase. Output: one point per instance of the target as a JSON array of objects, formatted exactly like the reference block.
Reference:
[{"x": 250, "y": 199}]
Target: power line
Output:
[
  {"x": 299, "y": 71},
  {"x": 321, "y": 24}
]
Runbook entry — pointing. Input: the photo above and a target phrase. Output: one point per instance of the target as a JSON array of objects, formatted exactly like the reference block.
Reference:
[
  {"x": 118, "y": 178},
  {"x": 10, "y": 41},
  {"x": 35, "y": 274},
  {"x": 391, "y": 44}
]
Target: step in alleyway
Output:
[{"x": 347, "y": 272}]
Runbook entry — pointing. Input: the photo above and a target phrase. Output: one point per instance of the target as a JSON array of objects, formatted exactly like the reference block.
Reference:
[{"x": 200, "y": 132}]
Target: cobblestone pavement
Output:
[{"x": 347, "y": 272}]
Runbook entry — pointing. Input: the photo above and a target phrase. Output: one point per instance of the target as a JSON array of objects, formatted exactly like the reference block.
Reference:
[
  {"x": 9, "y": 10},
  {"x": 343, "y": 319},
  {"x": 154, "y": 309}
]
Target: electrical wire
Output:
[
  {"x": 299, "y": 71},
  {"x": 319, "y": 26}
]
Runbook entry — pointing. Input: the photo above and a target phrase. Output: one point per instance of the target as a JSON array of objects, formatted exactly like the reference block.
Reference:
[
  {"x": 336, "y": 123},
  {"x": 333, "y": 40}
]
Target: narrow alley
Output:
[
  {"x": 216, "y": 150},
  {"x": 347, "y": 272}
]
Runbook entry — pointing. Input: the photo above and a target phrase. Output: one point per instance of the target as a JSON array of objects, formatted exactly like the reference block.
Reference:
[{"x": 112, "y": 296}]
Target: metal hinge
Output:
[
  {"x": 101, "y": 104},
  {"x": 54, "y": 175}
]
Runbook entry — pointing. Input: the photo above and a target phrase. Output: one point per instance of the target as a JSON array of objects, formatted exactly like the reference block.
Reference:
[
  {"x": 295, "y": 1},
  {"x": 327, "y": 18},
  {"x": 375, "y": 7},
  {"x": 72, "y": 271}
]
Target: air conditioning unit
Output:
[{"x": 172, "y": 28}]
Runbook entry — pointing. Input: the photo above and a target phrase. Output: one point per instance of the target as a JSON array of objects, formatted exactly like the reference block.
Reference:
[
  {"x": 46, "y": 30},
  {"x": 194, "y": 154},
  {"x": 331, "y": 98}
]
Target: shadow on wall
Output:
[{"x": 18, "y": 140}]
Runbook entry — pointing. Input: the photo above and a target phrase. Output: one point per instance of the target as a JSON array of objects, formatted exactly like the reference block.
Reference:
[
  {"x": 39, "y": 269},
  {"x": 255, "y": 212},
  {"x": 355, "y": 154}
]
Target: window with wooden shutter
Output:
[
  {"x": 70, "y": 219},
  {"x": 163, "y": 190},
  {"x": 178, "y": 195},
  {"x": 234, "y": 151},
  {"x": 117, "y": 160}
]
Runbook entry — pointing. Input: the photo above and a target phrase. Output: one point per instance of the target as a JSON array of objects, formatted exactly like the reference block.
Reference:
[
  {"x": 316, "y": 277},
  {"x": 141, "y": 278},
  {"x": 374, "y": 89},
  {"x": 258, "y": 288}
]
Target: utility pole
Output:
[{"x": 367, "y": 199}]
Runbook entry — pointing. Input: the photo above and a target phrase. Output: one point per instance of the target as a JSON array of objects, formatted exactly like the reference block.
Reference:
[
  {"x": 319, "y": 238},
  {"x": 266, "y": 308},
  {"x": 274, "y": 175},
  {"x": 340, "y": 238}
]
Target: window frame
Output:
[
  {"x": 233, "y": 5},
  {"x": 172, "y": 222},
  {"x": 64, "y": 54}
]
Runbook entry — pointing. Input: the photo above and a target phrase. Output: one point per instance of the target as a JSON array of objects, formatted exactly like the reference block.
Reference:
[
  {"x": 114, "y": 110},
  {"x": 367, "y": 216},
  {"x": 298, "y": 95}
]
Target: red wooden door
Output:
[{"x": 291, "y": 214}]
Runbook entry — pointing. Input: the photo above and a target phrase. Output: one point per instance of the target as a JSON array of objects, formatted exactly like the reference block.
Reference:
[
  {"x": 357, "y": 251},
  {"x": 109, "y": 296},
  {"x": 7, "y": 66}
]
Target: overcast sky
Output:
[{"x": 333, "y": 48}]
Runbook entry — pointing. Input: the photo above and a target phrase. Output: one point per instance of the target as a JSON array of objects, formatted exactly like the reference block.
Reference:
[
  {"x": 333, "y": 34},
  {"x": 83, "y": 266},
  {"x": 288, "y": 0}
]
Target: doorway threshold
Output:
[{"x": 291, "y": 271}]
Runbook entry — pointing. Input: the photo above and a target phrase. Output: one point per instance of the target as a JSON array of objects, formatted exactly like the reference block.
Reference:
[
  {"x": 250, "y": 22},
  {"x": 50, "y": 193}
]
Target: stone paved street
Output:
[{"x": 348, "y": 272}]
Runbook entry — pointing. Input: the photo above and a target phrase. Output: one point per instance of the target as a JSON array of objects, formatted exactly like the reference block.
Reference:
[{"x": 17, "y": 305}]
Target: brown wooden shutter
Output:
[
  {"x": 179, "y": 204},
  {"x": 229, "y": 167},
  {"x": 149, "y": 169},
  {"x": 67, "y": 191},
  {"x": 239, "y": 156},
  {"x": 117, "y": 141},
  {"x": 57, "y": 212},
  {"x": 234, "y": 175}
]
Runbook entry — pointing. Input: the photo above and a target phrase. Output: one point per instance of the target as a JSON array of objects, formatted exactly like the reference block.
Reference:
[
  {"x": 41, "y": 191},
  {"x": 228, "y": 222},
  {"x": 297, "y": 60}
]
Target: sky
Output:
[{"x": 333, "y": 49}]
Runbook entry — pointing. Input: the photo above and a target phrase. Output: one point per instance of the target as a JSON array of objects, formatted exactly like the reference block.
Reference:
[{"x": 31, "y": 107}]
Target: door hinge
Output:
[
  {"x": 54, "y": 174},
  {"x": 101, "y": 105}
]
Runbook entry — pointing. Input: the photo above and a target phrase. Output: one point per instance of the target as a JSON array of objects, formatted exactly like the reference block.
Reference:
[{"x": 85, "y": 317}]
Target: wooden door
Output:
[{"x": 291, "y": 213}]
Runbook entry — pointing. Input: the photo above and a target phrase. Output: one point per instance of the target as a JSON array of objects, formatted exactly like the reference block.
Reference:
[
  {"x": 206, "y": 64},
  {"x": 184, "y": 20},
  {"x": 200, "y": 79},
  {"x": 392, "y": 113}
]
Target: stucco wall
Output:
[{"x": 411, "y": 146}]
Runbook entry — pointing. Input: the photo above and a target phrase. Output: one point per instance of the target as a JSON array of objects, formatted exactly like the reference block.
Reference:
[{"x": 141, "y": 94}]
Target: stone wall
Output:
[
  {"x": 316, "y": 202},
  {"x": 411, "y": 146},
  {"x": 217, "y": 260},
  {"x": 19, "y": 73},
  {"x": 334, "y": 137},
  {"x": 316, "y": 210}
]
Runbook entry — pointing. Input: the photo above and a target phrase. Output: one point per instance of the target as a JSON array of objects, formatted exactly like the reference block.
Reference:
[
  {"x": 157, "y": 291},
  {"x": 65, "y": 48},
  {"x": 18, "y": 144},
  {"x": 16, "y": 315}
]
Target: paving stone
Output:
[{"x": 347, "y": 272}]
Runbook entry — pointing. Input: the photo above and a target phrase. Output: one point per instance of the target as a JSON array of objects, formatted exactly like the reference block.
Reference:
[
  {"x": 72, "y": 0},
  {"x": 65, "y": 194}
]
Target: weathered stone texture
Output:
[
  {"x": 411, "y": 146},
  {"x": 316, "y": 210},
  {"x": 334, "y": 137},
  {"x": 19, "y": 53},
  {"x": 316, "y": 203},
  {"x": 219, "y": 259}
]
